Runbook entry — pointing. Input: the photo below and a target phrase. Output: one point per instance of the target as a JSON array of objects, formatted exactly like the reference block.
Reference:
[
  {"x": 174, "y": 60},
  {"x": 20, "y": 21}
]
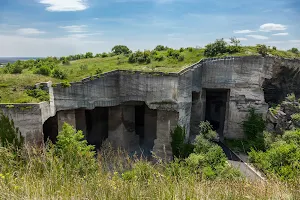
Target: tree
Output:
[
  {"x": 262, "y": 49},
  {"x": 9, "y": 135},
  {"x": 89, "y": 55},
  {"x": 120, "y": 49},
  {"x": 218, "y": 47},
  {"x": 294, "y": 50},
  {"x": 234, "y": 41},
  {"x": 160, "y": 48}
]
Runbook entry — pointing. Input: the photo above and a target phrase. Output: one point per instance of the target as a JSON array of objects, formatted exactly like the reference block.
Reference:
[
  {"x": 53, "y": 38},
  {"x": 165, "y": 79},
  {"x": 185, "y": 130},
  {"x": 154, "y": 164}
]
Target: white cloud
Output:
[
  {"x": 64, "y": 5},
  {"x": 272, "y": 27},
  {"x": 259, "y": 37},
  {"x": 294, "y": 41},
  {"x": 29, "y": 31},
  {"x": 242, "y": 39},
  {"x": 243, "y": 31},
  {"x": 281, "y": 34},
  {"x": 74, "y": 28}
]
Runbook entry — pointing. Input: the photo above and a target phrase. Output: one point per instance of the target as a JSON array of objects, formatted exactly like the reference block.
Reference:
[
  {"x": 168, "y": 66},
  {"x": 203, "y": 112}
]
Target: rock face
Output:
[{"x": 142, "y": 108}]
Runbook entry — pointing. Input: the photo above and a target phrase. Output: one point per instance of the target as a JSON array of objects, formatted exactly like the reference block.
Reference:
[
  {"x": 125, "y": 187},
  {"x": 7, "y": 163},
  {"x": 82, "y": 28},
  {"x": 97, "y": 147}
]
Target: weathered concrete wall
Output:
[{"x": 244, "y": 77}]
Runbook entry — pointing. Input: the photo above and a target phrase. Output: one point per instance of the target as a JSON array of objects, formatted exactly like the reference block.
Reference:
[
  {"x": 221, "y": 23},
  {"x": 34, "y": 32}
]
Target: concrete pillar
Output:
[
  {"x": 197, "y": 112},
  {"x": 80, "y": 120},
  {"x": 67, "y": 116},
  {"x": 121, "y": 127},
  {"x": 166, "y": 121},
  {"x": 150, "y": 121}
]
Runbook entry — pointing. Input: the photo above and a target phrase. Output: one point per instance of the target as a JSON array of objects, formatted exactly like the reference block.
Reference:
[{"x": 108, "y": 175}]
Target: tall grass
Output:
[{"x": 39, "y": 174}]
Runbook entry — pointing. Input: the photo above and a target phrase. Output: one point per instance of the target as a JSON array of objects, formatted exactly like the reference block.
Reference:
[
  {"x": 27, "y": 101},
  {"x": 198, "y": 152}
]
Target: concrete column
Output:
[
  {"x": 81, "y": 120},
  {"x": 166, "y": 121},
  {"x": 67, "y": 116},
  {"x": 121, "y": 127},
  {"x": 150, "y": 121},
  {"x": 197, "y": 112}
]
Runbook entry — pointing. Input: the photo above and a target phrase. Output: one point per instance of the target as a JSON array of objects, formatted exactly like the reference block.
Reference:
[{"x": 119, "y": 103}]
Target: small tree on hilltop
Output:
[
  {"x": 120, "y": 49},
  {"x": 262, "y": 49},
  {"x": 9, "y": 135},
  {"x": 294, "y": 50},
  {"x": 218, "y": 47}
]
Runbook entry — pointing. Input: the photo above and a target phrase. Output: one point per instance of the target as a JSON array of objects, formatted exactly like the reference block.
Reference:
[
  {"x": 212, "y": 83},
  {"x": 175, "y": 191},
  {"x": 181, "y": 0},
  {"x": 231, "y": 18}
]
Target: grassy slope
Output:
[{"x": 12, "y": 87}]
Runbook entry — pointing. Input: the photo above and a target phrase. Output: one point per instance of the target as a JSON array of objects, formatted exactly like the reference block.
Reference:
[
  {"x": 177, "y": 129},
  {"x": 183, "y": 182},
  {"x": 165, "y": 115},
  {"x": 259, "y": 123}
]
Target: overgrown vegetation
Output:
[
  {"x": 76, "y": 67},
  {"x": 282, "y": 158},
  {"x": 69, "y": 169}
]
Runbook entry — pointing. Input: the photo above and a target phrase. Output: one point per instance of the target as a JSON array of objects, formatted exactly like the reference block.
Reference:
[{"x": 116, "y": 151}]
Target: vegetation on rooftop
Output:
[{"x": 17, "y": 77}]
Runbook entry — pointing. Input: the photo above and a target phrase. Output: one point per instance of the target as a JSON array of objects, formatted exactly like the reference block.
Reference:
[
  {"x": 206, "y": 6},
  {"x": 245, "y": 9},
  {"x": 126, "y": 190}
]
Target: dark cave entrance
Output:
[
  {"x": 96, "y": 126},
  {"x": 215, "y": 112},
  {"x": 50, "y": 129},
  {"x": 145, "y": 127}
]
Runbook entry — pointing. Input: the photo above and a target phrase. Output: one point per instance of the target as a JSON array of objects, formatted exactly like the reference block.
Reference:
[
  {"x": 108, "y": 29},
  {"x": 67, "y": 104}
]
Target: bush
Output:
[
  {"x": 281, "y": 158},
  {"x": 181, "y": 49},
  {"x": 104, "y": 55},
  {"x": 294, "y": 50},
  {"x": 159, "y": 57},
  {"x": 44, "y": 70},
  {"x": 57, "y": 73},
  {"x": 74, "y": 151},
  {"x": 160, "y": 48},
  {"x": 140, "y": 57},
  {"x": 13, "y": 68},
  {"x": 216, "y": 48},
  {"x": 262, "y": 49},
  {"x": 181, "y": 58},
  {"x": 39, "y": 94},
  {"x": 66, "y": 84},
  {"x": 253, "y": 125},
  {"x": 120, "y": 49},
  {"x": 9, "y": 135},
  {"x": 99, "y": 71}
]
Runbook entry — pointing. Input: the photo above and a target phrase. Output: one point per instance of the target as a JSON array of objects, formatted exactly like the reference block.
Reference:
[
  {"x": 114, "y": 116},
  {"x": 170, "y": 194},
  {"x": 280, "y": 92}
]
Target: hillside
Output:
[{"x": 17, "y": 78}]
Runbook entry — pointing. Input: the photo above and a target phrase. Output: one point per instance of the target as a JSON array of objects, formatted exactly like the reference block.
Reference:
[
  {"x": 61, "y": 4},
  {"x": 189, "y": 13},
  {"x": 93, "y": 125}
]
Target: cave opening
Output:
[
  {"x": 96, "y": 126},
  {"x": 215, "y": 112},
  {"x": 50, "y": 129}
]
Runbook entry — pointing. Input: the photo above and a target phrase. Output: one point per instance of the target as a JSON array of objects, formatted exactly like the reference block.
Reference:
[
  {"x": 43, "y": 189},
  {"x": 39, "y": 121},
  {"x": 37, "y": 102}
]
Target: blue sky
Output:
[{"x": 64, "y": 27}]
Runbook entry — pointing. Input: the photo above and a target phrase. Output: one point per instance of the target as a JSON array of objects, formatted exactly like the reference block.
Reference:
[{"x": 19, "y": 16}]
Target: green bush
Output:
[
  {"x": 140, "y": 57},
  {"x": 291, "y": 97},
  {"x": 9, "y": 135},
  {"x": 44, "y": 70},
  {"x": 181, "y": 49},
  {"x": 15, "y": 68},
  {"x": 296, "y": 117},
  {"x": 181, "y": 58},
  {"x": 180, "y": 149},
  {"x": 120, "y": 49},
  {"x": 74, "y": 151},
  {"x": 160, "y": 48},
  {"x": 262, "y": 49},
  {"x": 39, "y": 94},
  {"x": 58, "y": 73},
  {"x": 281, "y": 158},
  {"x": 294, "y": 50},
  {"x": 66, "y": 84},
  {"x": 216, "y": 48},
  {"x": 253, "y": 125}
]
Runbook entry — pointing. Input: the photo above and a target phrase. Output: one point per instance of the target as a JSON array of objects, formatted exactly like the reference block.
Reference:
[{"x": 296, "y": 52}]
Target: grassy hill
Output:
[{"x": 16, "y": 79}]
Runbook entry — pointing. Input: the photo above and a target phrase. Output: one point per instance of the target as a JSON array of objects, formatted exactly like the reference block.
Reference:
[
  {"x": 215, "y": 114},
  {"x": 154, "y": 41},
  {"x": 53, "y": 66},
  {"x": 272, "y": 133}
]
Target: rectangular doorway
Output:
[{"x": 216, "y": 109}]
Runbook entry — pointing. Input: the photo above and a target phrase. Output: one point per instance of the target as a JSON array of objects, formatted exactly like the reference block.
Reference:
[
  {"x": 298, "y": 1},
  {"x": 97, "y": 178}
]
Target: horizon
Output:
[{"x": 41, "y": 28}]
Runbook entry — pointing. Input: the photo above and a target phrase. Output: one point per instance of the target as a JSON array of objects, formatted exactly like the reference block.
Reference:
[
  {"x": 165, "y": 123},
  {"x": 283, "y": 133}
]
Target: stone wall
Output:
[{"x": 182, "y": 94}]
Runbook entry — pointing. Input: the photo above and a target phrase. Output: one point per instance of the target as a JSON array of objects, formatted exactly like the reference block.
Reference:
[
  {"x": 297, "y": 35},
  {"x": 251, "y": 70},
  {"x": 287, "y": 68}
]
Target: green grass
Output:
[{"x": 13, "y": 87}]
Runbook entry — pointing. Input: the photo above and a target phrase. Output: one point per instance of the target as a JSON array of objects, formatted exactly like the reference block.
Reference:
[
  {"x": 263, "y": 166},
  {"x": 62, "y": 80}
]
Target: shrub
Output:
[
  {"x": 66, "y": 61},
  {"x": 296, "y": 117},
  {"x": 181, "y": 58},
  {"x": 281, "y": 158},
  {"x": 104, "y": 55},
  {"x": 173, "y": 53},
  {"x": 120, "y": 49},
  {"x": 294, "y": 50},
  {"x": 65, "y": 84},
  {"x": 39, "y": 94},
  {"x": 13, "y": 68},
  {"x": 160, "y": 48},
  {"x": 253, "y": 125},
  {"x": 213, "y": 49},
  {"x": 84, "y": 67},
  {"x": 262, "y": 49},
  {"x": 89, "y": 55},
  {"x": 181, "y": 49},
  {"x": 99, "y": 71},
  {"x": 291, "y": 97},
  {"x": 74, "y": 151},
  {"x": 140, "y": 57},
  {"x": 44, "y": 70},
  {"x": 9, "y": 135},
  {"x": 159, "y": 57},
  {"x": 57, "y": 73}
]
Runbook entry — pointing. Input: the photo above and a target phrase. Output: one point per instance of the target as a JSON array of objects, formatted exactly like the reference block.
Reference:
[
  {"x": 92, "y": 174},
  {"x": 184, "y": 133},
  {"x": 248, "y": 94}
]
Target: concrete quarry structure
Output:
[{"x": 137, "y": 110}]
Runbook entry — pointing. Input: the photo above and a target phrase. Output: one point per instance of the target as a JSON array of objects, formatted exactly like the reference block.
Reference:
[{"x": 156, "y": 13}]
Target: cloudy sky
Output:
[{"x": 64, "y": 27}]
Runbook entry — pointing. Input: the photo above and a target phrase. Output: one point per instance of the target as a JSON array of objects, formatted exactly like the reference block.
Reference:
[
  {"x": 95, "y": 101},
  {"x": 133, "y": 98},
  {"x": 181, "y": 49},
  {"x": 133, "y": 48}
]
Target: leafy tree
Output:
[
  {"x": 294, "y": 50},
  {"x": 253, "y": 125},
  {"x": 218, "y": 47},
  {"x": 262, "y": 49},
  {"x": 161, "y": 48},
  {"x": 234, "y": 41},
  {"x": 9, "y": 135},
  {"x": 89, "y": 55},
  {"x": 120, "y": 49}
]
